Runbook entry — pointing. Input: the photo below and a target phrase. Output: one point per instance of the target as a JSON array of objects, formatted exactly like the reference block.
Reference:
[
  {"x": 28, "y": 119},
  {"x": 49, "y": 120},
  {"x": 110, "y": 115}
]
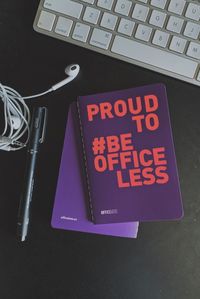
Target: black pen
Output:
[{"x": 37, "y": 134}]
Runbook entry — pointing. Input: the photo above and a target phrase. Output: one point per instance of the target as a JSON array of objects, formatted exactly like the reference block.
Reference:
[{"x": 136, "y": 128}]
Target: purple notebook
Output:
[
  {"x": 129, "y": 156},
  {"x": 70, "y": 207}
]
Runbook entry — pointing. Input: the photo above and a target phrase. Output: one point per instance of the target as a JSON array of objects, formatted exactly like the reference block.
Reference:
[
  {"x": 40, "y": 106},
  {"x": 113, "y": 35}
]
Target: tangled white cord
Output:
[
  {"x": 14, "y": 106},
  {"x": 17, "y": 117},
  {"x": 15, "y": 137}
]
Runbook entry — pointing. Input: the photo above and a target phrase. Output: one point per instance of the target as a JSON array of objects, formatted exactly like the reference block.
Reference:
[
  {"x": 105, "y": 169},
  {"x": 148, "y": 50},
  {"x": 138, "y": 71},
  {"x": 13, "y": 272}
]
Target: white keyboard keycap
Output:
[
  {"x": 160, "y": 38},
  {"x": 177, "y": 6},
  {"x": 154, "y": 57},
  {"x": 157, "y": 18},
  {"x": 108, "y": 21},
  {"x": 81, "y": 32},
  {"x": 159, "y": 3},
  {"x": 107, "y": 4},
  {"x": 143, "y": 32},
  {"x": 192, "y": 30},
  {"x": 178, "y": 44},
  {"x": 140, "y": 12},
  {"x": 194, "y": 50},
  {"x": 175, "y": 24},
  {"x": 193, "y": 11},
  {"x": 126, "y": 26},
  {"x": 123, "y": 7},
  {"x": 143, "y": 1},
  {"x": 67, "y": 7},
  {"x": 89, "y": 1},
  {"x": 91, "y": 15},
  {"x": 198, "y": 76},
  {"x": 46, "y": 20},
  {"x": 100, "y": 38},
  {"x": 63, "y": 26}
]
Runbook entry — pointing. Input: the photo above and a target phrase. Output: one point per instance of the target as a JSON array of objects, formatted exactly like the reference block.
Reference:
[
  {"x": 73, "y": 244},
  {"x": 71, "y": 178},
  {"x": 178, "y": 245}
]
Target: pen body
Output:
[
  {"x": 37, "y": 127},
  {"x": 26, "y": 198}
]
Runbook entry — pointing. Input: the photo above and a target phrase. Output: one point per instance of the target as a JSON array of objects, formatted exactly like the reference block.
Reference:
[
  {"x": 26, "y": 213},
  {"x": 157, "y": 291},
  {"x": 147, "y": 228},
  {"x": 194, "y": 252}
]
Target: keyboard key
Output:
[
  {"x": 194, "y": 50},
  {"x": 81, "y": 32},
  {"x": 66, "y": 7},
  {"x": 198, "y": 76},
  {"x": 157, "y": 18},
  {"x": 46, "y": 20},
  {"x": 159, "y": 3},
  {"x": 193, "y": 11},
  {"x": 192, "y": 30},
  {"x": 109, "y": 21},
  {"x": 154, "y": 57},
  {"x": 175, "y": 24},
  {"x": 160, "y": 38},
  {"x": 100, "y": 38},
  {"x": 143, "y": 32},
  {"x": 126, "y": 26},
  {"x": 140, "y": 12},
  {"x": 177, "y": 6},
  {"x": 89, "y": 1},
  {"x": 143, "y": 1},
  {"x": 178, "y": 44},
  {"x": 123, "y": 7},
  {"x": 107, "y": 4},
  {"x": 63, "y": 26},
  {"x": 91, "y": 15}
]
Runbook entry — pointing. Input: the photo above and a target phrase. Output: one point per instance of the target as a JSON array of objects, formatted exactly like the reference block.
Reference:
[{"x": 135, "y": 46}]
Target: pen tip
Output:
[{"x": 23, "y": 239}]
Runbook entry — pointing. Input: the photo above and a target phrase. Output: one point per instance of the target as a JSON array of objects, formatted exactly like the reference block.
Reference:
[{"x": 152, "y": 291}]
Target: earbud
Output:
[
  {"x": 16, "y": 122},
  {"x": 72, "y": 71}
]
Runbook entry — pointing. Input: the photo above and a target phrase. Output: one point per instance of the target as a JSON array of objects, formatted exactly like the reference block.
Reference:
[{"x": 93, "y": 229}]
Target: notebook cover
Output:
[
  {"x": 129, "y": 155},
  {"x": 70, "y": 207}
]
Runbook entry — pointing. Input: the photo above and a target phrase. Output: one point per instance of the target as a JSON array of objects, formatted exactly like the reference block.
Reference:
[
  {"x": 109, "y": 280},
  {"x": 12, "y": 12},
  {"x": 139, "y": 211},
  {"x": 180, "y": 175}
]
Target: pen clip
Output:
[{"x": 43, "y": 134}]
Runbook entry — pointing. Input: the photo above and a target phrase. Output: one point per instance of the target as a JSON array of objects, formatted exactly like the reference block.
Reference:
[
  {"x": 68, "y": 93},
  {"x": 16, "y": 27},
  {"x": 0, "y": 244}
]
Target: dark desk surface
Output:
[{"x": 164, "y": 262}]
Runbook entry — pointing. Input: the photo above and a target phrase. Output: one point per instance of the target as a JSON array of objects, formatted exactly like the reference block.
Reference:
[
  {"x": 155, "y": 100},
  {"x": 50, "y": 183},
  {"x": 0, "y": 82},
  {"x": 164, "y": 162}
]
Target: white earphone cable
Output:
[
  {"x": 14, "y": 107},
  {"x": 38, "y": 95},
  {"x": 16, "y": 131}
]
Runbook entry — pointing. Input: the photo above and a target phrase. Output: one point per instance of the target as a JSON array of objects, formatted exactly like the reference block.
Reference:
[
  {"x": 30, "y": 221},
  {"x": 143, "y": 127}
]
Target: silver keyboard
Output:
[{"x": 160, "y": 35}]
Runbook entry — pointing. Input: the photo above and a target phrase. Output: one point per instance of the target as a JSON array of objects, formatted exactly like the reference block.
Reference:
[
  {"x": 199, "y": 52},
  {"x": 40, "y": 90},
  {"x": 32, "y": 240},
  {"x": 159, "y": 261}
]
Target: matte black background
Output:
[{"x": 164, "y": 262}]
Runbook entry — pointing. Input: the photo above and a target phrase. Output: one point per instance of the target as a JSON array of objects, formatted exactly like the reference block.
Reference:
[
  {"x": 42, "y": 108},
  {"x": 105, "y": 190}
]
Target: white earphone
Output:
[
  {"x": 72, "y": 72},
  {"x": 17, "y": 114}
]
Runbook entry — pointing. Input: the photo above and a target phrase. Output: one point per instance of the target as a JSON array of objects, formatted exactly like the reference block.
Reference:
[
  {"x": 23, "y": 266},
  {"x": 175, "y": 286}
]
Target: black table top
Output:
[{"x": 164, "y": 262}]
